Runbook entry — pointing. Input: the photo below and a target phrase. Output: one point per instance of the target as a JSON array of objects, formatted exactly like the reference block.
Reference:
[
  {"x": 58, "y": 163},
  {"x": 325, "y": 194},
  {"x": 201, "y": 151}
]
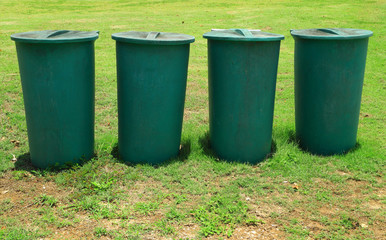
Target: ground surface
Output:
[{"x": 291, "y": 195}]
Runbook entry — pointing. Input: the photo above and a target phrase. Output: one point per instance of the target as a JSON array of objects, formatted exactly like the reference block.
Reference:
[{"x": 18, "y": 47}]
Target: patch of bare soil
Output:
[
  {"x": 22, "y": 193},
  {"x": 352, "y": 196},
  {"x": 263, "y": 231}
]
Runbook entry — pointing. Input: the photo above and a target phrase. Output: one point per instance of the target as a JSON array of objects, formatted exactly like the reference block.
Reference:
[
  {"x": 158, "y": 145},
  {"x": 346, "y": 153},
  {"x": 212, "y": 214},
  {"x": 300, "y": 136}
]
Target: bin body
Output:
[
  {"x": 242, "y": 81},
  {"x": 57, "y": 76},
  {"x": 152, "y": 76},
  {"x": 329, "y": 73}
]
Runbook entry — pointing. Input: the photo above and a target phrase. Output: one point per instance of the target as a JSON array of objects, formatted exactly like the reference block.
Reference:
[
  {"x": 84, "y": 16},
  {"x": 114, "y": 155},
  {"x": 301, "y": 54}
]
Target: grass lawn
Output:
[{"x": 292, "y": 195}]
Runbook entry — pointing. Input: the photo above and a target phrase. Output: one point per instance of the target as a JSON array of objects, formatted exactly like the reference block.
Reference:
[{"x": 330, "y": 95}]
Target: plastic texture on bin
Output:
[
  {"x": 329, "y": 74},
  {"x": 242, "y": 35},
  {"x": 155, "y": 38},
  {"x": 242, "y": 71},
  {"x": 55, "y": 36},
  {"x": 57, "y": 72},
  {"x": 332, "y": 33},
  {"x": 151, "y": 84}
]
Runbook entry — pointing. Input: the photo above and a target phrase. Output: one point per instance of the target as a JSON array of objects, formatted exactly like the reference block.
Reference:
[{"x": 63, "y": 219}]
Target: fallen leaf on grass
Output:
[
  {"x": 16, "y": 142},
  {"x": 364, "y": 225}
]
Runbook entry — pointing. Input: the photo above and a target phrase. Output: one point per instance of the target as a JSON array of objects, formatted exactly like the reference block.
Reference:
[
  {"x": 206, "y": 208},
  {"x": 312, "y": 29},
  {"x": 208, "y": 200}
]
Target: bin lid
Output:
[
  {"x": 55, "y": 36},
  {"x": 331, "y": 33},
  {"x": 154, "y": 38},
  {"x": 238, "y": 34}
]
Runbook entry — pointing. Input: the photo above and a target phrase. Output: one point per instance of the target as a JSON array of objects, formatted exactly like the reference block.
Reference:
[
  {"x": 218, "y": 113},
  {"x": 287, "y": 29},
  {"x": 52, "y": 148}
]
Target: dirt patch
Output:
[
  {"x": 22, "y": 192},
  {"x": 265, "y": 211},
  {"x": 274, "y": 210},
  {"x": 374, "y": 205},
  {"x": 188, "y": 231},
  {"x": 262, "y": 231}
]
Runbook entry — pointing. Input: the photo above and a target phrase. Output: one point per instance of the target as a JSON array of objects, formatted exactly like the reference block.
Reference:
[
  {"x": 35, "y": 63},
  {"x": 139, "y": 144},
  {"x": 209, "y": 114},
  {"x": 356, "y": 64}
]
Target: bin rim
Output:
[
  {"x": 153, "y": 38},
  {"x": 331, "y": 33},
  {"x": 55, "y": 36},
  {"x": 242, "y": 35}
]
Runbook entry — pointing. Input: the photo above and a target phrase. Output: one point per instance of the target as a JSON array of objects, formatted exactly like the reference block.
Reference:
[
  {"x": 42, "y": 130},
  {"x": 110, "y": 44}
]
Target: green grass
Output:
[{"x": 336, "y": 197}]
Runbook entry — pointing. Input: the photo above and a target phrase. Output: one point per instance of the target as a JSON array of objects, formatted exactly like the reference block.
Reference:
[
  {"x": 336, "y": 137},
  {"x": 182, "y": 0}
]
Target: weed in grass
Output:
[
  {"x": 253, "y": 221},
  {"x": 106, "y": 212},
  {"x": 125, "y": 213},
  {"x": 5, "y": 205},
  {"x": 47, "y": 219},
  {"x": 297, "y": 230},
  {"x": 63, "y": 223},
  {"x": 20, "y": 174},
  {"x": 66, "y": 213},
  {"x": 325, "y": 220},
  {"x": 175, "y": 215},
  {"x": 221, "y": 214},
  {"x": 348, "y": 222},
  {"x": 131, "y": 174},
  {"x": 180, "y": 198},
  {"x": 341, "y": 235},
  {"x": 16, "y": 233},
  {"x": 146, "y": 208},
  {"x": 323, "y": 196},
  {"x": 103, "y": 185},
  {"x": 100, "y": 232},
  {"x": 89, "y": 203},
  {"x": 46, "y": 200},
  {"x": 165, "y": 227},
  {"x": 274, "y": 215},
  {"x": 135, "y": 231}
]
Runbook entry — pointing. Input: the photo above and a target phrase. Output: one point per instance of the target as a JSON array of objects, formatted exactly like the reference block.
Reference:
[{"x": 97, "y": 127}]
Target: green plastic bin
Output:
[
  {"x": 152, "y": 73},
  {"x": 57, "y": 77},
  {"x": 242, "y": 79},
  {"x": 329, "y": 71}
]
